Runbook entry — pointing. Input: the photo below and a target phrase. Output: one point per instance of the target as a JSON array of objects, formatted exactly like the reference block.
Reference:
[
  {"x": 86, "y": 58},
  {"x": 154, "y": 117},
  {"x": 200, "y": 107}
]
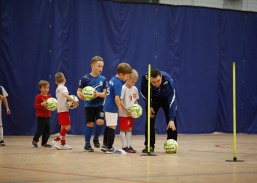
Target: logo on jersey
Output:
[
  {"x": 165, "y": 83},
  {"x": 101, "y": 114}
]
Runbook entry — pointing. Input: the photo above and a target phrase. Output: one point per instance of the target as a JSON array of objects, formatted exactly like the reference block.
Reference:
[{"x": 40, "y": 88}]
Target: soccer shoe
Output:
[
  {"x": 127, "y": 150},
  {"x": 132, "y": 150},
  {"x": 65, "y": 147},
  {"x": 109, "y": 151},
  {"x": 46, "y": 145},
  {"x": 88, "y": 148},
  {"x": 103, "y": 148},
  {"x": 2, "y": 143},
  {"x": 145, "y": 150},
  {"x": 96, "y": 143},
  {"x": 34, "y": 143},
  {"x": 56, "y": 144}
]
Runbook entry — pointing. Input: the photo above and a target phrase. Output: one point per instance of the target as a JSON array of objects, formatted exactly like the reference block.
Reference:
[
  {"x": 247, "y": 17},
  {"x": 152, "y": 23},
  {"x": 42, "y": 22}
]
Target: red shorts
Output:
[
  {"x": 64, "y": 118},
  {"x": 126, "y": 123}
]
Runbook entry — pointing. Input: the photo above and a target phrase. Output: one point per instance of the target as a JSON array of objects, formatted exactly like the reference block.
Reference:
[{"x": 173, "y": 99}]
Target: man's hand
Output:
[
  {"x": 171, "y": 125},
  {"x": 152, "y": 113}
]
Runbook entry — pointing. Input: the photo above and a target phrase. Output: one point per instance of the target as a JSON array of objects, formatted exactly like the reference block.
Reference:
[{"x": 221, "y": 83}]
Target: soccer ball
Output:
[
  {"x": 51, "y": 104},
  {"x": 88, "y": 93},
  {"x": 171, "y": 146},
  {"x": 70, "y": 104},
  {"x": 136, "y": 110}
]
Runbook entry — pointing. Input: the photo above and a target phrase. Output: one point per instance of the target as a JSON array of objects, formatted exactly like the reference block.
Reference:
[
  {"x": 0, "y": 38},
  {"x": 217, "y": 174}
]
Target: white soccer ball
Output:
[
  {"x": 136, "y": 111},
  {"x": 51, "y": 104},
  {"x": 88, "y": 93},
  {"x": 171, "y": 146},
  {"x": 70, "y": 104}
]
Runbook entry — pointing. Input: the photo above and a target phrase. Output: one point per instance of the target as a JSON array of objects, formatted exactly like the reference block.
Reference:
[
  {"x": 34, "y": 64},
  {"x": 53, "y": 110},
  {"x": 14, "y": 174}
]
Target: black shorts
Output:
[{"x": 94, "y": 113}]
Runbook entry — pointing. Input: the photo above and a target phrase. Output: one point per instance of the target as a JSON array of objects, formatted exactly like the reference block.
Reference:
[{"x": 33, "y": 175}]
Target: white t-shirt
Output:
[
  {"x": 129, "y": 96},
  {"x": 5, "y": 94},
  {"x": 60, "y": 90}
]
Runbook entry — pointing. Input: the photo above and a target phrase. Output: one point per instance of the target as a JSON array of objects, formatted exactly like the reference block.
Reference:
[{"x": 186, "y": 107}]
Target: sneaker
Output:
[
  {"x": 88, "y": 148},
  {"x": 109, "y": 151},
  {"x": 126, "y": 149},
  {"x": 34, "y": 143},
  {"x": 65, "y": 147},
  {"x": 132, "y": 150},
  {"x": 46, "y": 145},
  {"x": 2, "y": 143},
  {"x": 145, "y": 150},
  {"x": 96, "y": 143},
  {"x": 56, "y": 144},
  {"x": 103, "y": 148}
]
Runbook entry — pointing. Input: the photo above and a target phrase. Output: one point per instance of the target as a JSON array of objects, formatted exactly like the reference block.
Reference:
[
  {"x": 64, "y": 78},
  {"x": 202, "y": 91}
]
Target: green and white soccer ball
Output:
[
  {"x": 70, "y": 104},
  {"x": 171, "y": 146},
  {"x": 51, "y": 104},
  {"x": 136, "y": 111},
  {"x": 88, "y": 93}
]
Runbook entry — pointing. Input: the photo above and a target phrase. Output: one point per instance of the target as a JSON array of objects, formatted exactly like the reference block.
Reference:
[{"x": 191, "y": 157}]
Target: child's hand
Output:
[
  {"x": 81, "y": 96},
  {"x": 43, "y": 104},
  {"x": 75, "y": 103},
  {"x": 96, "y": 93},
  {"x": 128, "y": 111}
]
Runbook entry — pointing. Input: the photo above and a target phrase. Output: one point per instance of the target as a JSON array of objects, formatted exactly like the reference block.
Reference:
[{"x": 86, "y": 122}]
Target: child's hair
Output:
[
  {"x": 95, "y": 59},
  {"x": 134, "y": 74},
  {"x": 43, "y": 83},
  {"x": 59, "y": 77},
  {"x": 124, "y": 68}
]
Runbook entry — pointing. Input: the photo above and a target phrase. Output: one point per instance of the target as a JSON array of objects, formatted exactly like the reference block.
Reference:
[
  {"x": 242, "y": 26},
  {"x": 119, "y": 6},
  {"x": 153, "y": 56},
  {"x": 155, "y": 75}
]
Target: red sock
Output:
[
  {"x": 63, "y": 132},
  {"x": 63, "y": 142},
  {"x": 57, "y": 138}
]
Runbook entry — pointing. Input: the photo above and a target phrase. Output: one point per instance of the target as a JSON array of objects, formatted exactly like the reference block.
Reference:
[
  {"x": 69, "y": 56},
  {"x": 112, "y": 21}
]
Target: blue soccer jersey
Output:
[
  {"x": 99, "y": 83},
  {"x": 166, "y": 90},
  {"x": 114, "y": 89}
]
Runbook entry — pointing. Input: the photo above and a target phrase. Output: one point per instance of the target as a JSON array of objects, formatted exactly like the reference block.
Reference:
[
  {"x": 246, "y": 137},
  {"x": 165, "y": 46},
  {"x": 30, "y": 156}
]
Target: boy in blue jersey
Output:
[
  {"x": 162, "y": 95},
  {"x": 112, "y": 105},
  {"x": 94, "y": 108}
]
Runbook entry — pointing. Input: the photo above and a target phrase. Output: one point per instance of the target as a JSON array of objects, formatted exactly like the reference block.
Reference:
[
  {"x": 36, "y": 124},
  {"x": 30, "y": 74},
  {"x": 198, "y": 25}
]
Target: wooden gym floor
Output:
[{"x": 201, "y": 159}]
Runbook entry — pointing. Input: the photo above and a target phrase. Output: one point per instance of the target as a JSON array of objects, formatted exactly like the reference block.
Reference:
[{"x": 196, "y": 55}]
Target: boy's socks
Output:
[
  {"x": 105, "y": 136},
  {"x": 111, "y": 136},
  {"x": 98, "y": 130},
  {"x": 128, "y": 137},
  {"x": 123, "y": 139},
  {"x": 88, "y": 132}
]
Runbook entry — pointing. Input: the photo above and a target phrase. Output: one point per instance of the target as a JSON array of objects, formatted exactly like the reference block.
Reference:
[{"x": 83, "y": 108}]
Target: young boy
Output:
[
  {"x": 62, "y": 94},
  {"x": 94, "y": 108},
  {"x": 129, "y": 96},
  {"x": 3, "y": 95},
  {"x": 43, "y": 115},
  {"x": 112, "y": 105}
]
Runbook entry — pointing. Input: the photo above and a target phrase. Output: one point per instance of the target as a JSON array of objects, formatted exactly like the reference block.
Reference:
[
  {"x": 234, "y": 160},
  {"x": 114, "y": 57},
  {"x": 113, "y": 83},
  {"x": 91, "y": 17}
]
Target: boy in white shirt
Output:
[
  {"x": 129, "y": 96},
  {"x": 62, "y": 94}
]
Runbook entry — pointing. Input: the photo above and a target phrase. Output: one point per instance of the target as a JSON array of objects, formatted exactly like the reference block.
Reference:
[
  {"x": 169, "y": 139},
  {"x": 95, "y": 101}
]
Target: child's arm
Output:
[
  {"x": 100, "y": 94},
  {"x": 71, "y": 99},
  {"x": 6, "y": 105},
  {"x": 79, "y": 94},
  {"x": 39, "y": 104},
  {"x": 1, "y": 97},
  {"x": 117, "y": 101},
  {"x": 124, "y": 107}
]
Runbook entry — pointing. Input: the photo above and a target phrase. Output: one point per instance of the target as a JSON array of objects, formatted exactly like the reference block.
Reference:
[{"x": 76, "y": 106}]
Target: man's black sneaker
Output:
[
  {"x": 88, "y": 148},
  {"x": 96, "y": 143},
  {"x": 46, "y": 145},
  {"x": 145, "y": 150}
]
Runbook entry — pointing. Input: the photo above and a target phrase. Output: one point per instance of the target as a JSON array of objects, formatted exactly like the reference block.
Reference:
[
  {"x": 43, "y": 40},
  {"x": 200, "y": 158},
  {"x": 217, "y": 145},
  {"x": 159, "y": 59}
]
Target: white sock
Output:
[
  {"x": 123, "y": 139},
  {"x": 1, "y": 133},
  {"x": 128, "y": 136}
]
